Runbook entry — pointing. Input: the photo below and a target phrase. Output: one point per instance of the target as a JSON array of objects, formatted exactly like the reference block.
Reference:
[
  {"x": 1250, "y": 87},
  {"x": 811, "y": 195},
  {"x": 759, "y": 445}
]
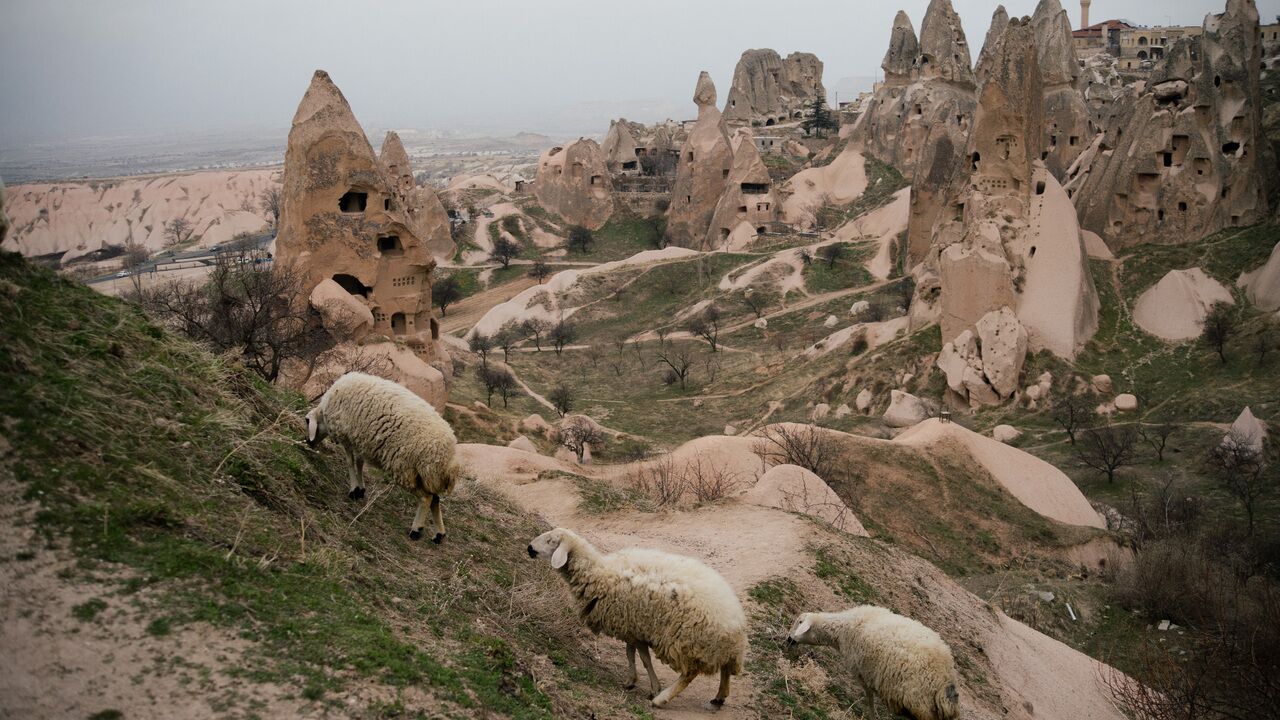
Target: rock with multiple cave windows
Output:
[
  {"x": 749, "y": 203},
  {"x": 1188, "y": 156},
  {"x": 573, "y": 182},
  {"x": 768, "y": 89},
  {"x": 348, "y": 223},
  {"x": 702, "y": 174},
  {"x": 425, "y": 213}
]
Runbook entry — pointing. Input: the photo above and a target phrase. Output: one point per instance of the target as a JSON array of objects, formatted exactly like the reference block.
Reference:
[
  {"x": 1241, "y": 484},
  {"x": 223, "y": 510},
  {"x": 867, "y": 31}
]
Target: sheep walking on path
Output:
[
  {"x": 383, "y": 423},
  {"x": 681, "y": 609},
  {"x": 895, "y": 658}
]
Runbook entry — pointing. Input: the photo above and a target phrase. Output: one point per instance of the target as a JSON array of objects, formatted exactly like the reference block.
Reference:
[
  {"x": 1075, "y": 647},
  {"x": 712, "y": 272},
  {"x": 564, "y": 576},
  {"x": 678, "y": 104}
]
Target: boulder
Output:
[
  {"x": 1102, "y": 384},
  {"x": 523, "y": 443},
  {"x": 402, "y": 365},
  {"x": 830, "y": 322},
  {"x": 536, "y": 424},
  {"x": 760, "y": 324},
  {"x": 573, "y": 182},
  {"x": 730, "y": 430},
  {"x": 859, "y": 307},
  {"x": 1175, "y": 307},
  {"x": 1004, "y": 348},
  {"x": 1005, "y": 433},
  {"x": 820, "y": 411},
  {"x": 843, "y": 410},
  {"x": 863, "y": 400},
  {"x": 905, "y": 410},
  {"x": 1126, "y": 402},
  {"x": 342, "y": 314}
]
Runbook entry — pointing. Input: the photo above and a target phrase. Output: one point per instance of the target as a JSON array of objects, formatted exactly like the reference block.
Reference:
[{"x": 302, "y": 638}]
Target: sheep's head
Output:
[
  {"x": 555, "y": 544},
  {"x": 317, "y": 428},
  {"x": 808, "y": 630}
]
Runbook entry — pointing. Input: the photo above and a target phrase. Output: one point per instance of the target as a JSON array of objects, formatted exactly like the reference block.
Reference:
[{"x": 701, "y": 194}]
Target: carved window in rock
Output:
[
  {"x": 435, "y": 329},
  {"x": 1006, "y": 146},
  {"x": 724, "y": 233},
  {"x": 379, "y": 317},
  {"x": 390, "y": 245},
  {"x": 762, "y": 207},
  {"x": 353, "y": 202},
  {"x": 352, "y": 285},
  {"x": 760, "y": 230},
  {"x": 404, "y": 281},
  {"x": 755, "y": 188},
  {"x": 595, "y": 179},
  {"x": 629, "y": 165},
  {"x": 398, "y": 324}
]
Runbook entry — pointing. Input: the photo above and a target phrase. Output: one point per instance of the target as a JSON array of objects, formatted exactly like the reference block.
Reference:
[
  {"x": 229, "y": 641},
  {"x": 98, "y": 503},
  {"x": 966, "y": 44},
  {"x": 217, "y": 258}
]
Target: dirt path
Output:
[{"x": 467, "y": 312}]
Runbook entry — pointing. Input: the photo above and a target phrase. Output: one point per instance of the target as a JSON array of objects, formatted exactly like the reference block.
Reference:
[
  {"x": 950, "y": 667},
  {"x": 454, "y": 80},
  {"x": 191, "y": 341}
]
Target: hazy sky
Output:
[{"x": 77, "y": 69}]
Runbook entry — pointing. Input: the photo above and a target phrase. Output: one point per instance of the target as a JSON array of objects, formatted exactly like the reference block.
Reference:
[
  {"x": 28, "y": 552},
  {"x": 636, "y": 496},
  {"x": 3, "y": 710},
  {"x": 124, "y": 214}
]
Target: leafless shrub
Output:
[
  {"x": 679, "y": 362},
  {"x": 709, "y": 481},
  {"x": 1107, "y": 449},
  {"x": 342, "y": 359},
  {"x": 659, "y": 481},
  {"x": 803, "y": 445}
]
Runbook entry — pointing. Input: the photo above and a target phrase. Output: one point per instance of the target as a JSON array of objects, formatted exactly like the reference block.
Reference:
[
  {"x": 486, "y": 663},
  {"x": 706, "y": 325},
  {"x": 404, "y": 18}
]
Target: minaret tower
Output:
[{"x": 1084, "y": 13}]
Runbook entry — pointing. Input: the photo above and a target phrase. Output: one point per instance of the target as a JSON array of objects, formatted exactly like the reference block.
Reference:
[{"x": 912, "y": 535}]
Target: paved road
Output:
[{"x": 204, "y": 256}]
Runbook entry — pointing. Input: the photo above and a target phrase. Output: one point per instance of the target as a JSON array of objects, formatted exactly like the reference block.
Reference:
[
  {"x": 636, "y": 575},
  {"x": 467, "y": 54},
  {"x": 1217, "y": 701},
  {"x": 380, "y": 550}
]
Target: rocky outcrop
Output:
[
  {"x": 1186, "y": 157},
  {"x": 768, "y": 89},
  {"x": 1247, "y": 430},
  {"x": 340, "y": 226},
  {"x": 573, "y": 182},
  {"x": 426, "y": 214},
  {"x": 1175, "y": 307},
  {"x": 919, "y": 118},
  {"x": 1008, "y": 240},
  {"x": 983, "y": 367},
  {"x": 1067, "y": 125},
  {"x": 622, "y": 147},
  {"x": 1101, "y": 85},
  {"x": 1262, "y": 286},
  {"x": 749, "y": 203},
  {"x": 702, "y": 173},
  {"x": 905, "y": 410}
]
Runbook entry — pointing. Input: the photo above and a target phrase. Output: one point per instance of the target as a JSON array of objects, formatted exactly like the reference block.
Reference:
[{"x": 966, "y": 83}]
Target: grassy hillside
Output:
[{"x": 182, "y": 475}]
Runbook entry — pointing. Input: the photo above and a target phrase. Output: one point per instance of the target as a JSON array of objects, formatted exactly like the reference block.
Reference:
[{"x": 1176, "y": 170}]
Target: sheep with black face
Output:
[
  {"x": 384, "y": 423},
  {"x": 679, "y": 607}
]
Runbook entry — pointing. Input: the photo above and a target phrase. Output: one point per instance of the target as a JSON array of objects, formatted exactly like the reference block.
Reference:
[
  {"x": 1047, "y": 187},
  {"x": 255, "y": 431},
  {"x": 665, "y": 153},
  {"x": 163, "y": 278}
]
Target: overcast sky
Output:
[{"x": 78, "y": 69}]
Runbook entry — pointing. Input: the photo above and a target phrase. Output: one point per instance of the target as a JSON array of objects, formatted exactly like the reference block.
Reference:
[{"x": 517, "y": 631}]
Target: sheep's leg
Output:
[
  {"x": 669, "y": 694},
  {"x": 420, "y": 519},
  {"x": 439, "y": 519},
  {"x": 723, "y": 692},
  {"x": 654, "y": 685},
  {"x": 631, "y": 665},
  {"x": 356, "y": 468},
  {"x": 871, "y": 700}
]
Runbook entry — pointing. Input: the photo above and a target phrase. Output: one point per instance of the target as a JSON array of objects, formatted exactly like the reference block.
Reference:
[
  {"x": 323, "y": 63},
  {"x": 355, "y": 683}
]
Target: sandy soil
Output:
[
  {"x": 882, "y": 225},
  {"x": 841, "y": 182}
]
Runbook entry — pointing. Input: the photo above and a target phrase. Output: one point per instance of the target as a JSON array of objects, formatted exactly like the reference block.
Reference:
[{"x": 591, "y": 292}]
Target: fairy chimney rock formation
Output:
[
  {"x": 749, "y": 203},
  {"x": 1067, "y": 124},
  {"x": 944, "y": 52},
  {"x": 702, "y": 172},
  {"x": 340, "y": 226},
  {"x": 426, "y": 214},
  {"x": 573, "y": 182},
  {"x": 1186, "y": 157},
  {"x": 899, "y": 62},
  {"x": 622, "y": 147},
  {"x": 768, "y": 89}
]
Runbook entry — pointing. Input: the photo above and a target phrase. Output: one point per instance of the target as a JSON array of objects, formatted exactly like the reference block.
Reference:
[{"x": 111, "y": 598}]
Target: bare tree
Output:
[
  {"x": 706, "y": 325},
  {"x": 711, "y": 366},
  {"x": 1240, "y": 463},
  {"x": 662, "y": 332},
  {"x": 481, "y": 345},
  {"x": 1157, "y": 436},
  {"x": 177, "y": 231},
  {"x": 562, "y": 398},
  {"x": 511, "y": 333},
  {"x": 1219, "y": 327},
  {"x": 808, "y": 446},
  {"x": 1107, "y": 449},
  {"x": 679, "y": 360},
  {"x": 504, "y": 250},
  {"x": 1070, "y": 411},
  {"x": 758, "y": 299},
  {"x": 1262, "y": 344},
  {"x": 577, "y": 434},
  {"x": 540, "y": 271},
  {"x": 497, "y": 378},
  {"x": 562, "y": 333},
  {"x": 247, "y": 308},
  {"x": 269, "y": 201},
  {"x": 536, "y": 328}
]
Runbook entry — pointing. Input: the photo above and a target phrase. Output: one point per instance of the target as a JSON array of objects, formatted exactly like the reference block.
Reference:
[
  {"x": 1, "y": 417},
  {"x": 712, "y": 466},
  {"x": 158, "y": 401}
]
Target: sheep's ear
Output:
[
  {"x": 805, "y": 625},
  {"x": 312, "y": 426},
  {"x": 560, "y": 556}
]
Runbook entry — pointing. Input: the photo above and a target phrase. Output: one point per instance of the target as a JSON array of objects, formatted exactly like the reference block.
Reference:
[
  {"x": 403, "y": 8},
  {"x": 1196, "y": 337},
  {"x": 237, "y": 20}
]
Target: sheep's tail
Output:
[{"x": 947, "y": 702}]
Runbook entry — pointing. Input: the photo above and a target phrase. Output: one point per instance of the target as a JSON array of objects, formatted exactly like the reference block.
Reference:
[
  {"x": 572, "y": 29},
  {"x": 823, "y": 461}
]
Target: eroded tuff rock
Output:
[
  {"x": 1187, "y": 157},
  {"x": 1007, "y": 265},
  {"x": 702, "y": 173},
  {"x": 573, "y": 182},
  {"x": 340, "y": 226},
  {"x": 749, "y": 203},
  {"x": 426, "y": 214},
  {"x": 918, "y": 119},
  {"x": 1068, "y": 127},
  {"x": 1262, "y": 285},
  {"x": 768, "y": 89},
  {"x": 621, "y": 146}
]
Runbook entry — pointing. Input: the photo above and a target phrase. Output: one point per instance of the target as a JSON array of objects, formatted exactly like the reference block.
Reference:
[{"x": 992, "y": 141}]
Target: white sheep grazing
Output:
[
  {"x": 384, "y": 423},
  {"x": 681, "y": 608},
  {"x": 896, "y": 658}
]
